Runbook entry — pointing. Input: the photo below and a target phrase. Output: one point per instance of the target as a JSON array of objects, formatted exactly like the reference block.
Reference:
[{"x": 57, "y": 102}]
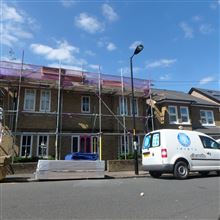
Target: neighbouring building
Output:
[{"x": 173, "y": 109}]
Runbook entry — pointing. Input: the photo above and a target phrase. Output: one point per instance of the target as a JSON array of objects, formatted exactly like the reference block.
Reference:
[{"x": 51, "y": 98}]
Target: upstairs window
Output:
[
  {"x": 123, "y": 106},
  {"x": 184, "y": 115},
  {"x": 172, "y": 110},
  {"x": 29, "y": 100},
  {"x": 85, "y": 104},
  {"x": 135, "y": 106},
  {"x": 207, "y": 117},
  {"x": 45, "y": 99}
]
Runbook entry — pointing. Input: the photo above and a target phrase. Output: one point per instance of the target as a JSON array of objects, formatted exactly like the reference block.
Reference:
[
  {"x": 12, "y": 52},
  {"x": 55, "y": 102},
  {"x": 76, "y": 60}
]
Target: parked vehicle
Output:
[{"x": 180, "y": 152}]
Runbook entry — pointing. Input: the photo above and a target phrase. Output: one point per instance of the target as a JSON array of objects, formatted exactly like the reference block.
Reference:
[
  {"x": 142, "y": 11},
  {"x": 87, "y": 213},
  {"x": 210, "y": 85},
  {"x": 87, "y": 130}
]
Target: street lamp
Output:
[{"x": 138, "y": 49}]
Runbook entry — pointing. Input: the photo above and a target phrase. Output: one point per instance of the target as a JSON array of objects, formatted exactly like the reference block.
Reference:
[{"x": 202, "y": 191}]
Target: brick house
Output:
[
  {"x": 53, "y": 112},
  {"x": 173, "y": 109}
]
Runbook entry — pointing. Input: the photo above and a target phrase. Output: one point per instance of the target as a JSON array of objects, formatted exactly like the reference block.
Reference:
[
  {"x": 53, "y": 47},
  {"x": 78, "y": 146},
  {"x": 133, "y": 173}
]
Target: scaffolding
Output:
[{"x": 22, "y": 75}]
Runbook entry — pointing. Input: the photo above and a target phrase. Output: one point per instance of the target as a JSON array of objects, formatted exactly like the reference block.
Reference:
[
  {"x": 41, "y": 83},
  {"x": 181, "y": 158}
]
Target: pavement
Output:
[{"x": 30, "y": 177}]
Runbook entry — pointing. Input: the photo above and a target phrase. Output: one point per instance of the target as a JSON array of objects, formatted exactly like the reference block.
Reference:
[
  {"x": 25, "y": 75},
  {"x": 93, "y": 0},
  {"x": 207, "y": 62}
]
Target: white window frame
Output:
[
  {"x": 83, "y": 104},
  {"x": 186, "y": 115},
  {"x": 26, "y": 98},
  {"x": 206, "y": 118},
  {"x": 21, "y": 146},
  {"x": 93, "y": 144},
  {"x": 78, "y": 143},
  {"x": 135, "y": 104},
  {"x": 38, "y": 146},
  {"x": 123, "y": 105},
  {"x": 44, "y": 99},
  {"x": 122, "y": 145},
  {"x": 176, "y": 114}
]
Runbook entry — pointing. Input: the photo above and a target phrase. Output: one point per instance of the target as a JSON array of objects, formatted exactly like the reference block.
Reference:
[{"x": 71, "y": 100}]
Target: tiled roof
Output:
[
  {"x": 161, "y": 95},
  {"x": 212, "y": 94}
]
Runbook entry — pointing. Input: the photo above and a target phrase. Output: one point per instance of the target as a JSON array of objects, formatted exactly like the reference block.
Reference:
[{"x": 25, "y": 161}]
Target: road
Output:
[{"x": 166, "y": 198}]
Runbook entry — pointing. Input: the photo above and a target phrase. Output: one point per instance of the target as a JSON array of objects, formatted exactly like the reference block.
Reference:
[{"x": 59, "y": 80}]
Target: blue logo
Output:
[{"x": 183, "y": 139}]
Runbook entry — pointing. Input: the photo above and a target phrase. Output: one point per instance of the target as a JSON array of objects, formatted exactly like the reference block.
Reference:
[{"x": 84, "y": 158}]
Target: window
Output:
[
  {"x": 184, "y": 114},
  {"x": 207, "y": 117},
  {"x": 26, "y": 146},
  {"x": 29, "y": 100},
  {"x": 85, "y": 104},
  {"x": 75, "y": 144},
  {"x": 151, "y": 140},
  {"x": 172, "y": 110},
  {"x": 94, "y": 144},
  {"x": 124, "y": 140},
  {"x": 209, "y": 143},
  {"x": 42, "y": 146},
  {"x": 135, "y": 106},
  {"x": 123, "y": 106},
  {"x": 45, "y": 100}
]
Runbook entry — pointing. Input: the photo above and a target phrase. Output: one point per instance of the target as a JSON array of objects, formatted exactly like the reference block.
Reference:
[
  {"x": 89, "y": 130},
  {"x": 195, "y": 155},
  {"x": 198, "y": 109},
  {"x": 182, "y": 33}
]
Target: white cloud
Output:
[
  {"x": 111, "y": 47},
  {"x": 161, "y": 63},
  {"x": 134, "y": 45},
  {"x": 165, "y": 77},
  {"x": 94, "y": 67},
  {"x": 206, "y": 29},
  {"x": 214, "y": 4},
  {"x": 10, "y": 14},
  {"x": 187, "y": 29},
  {"x": 88, "y": 23},
  {"x": 63, "y": 52},
  {"x": 197, "y": 18},
  {"x": 16, "y": 25},
  {"x": 109, "y": 12},
  {"x": 90, "y": 53},
  {"x": 206, "y": 80},
  {"x": 67, "y": 3}
]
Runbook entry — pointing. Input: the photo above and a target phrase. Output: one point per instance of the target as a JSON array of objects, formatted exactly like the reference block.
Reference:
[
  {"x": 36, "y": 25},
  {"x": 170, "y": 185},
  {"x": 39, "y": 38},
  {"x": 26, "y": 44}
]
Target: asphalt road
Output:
[{"x": 166, "y": 198}]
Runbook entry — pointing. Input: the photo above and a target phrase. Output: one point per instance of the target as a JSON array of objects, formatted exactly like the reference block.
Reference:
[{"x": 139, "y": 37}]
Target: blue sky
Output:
[{"x": 180, "y": 38}]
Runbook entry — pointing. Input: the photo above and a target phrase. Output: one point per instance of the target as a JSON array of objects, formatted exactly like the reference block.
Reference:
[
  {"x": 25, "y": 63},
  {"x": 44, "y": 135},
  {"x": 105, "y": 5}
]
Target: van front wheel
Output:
[
  {"x": 155, "y": 174},
  {"x": 181, "y": 170}
]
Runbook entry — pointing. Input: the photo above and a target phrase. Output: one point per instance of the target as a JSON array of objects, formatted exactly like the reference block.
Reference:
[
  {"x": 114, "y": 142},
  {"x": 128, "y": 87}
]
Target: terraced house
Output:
[{"x": 54, "y": 111}]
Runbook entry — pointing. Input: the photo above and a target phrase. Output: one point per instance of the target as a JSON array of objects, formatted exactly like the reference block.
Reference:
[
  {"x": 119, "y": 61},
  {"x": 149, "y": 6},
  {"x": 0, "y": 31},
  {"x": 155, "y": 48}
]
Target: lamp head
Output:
[{"x": 138, "y": 49}]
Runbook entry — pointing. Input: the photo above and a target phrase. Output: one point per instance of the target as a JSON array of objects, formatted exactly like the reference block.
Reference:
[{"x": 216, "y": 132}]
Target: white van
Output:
[{"x": 179, "y": 152}]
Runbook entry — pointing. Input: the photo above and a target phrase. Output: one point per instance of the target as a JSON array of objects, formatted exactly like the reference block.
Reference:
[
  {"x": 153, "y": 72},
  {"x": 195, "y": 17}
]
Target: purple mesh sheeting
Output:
[{"x": 10, "y": 71}]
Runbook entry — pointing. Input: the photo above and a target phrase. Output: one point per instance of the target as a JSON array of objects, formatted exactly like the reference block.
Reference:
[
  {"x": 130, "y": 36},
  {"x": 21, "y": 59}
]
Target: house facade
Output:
[
  {"x": 54, "y": 112},
  {"x": 174, "y": 109}
]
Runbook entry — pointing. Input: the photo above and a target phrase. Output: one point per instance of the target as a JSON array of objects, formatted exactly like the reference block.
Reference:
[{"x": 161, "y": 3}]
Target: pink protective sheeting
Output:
[{"x": 40, "y": 74}]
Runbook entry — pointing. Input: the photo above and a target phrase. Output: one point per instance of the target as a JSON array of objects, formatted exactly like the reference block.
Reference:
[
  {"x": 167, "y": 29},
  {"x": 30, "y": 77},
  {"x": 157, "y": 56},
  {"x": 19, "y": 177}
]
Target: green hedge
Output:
[
  {"x": 129, "y": 156},
  {"x": 31, "y": 159}
]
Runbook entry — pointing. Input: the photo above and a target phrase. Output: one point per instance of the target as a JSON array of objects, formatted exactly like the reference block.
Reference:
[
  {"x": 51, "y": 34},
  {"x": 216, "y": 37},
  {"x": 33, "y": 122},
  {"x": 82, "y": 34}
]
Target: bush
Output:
[
  {"x": 25, "y": 159},
  {"x": 129, "y": 156},
  {"x": 31, "y": 159}
]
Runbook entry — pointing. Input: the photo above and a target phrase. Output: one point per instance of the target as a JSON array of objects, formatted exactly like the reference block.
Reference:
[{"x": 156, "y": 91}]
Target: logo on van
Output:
[{"x": 183, "y": 139}]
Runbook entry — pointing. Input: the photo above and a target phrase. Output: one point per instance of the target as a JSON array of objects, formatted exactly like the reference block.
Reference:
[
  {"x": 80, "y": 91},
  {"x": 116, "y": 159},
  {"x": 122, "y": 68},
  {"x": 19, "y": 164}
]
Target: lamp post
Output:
[{"x": 138, "y": 49}]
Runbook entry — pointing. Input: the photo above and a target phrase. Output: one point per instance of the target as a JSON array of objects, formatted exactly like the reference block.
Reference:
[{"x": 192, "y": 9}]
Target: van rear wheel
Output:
[
  {"x": 181, "y": 170},
  {"x": 155, "y": 174}
]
